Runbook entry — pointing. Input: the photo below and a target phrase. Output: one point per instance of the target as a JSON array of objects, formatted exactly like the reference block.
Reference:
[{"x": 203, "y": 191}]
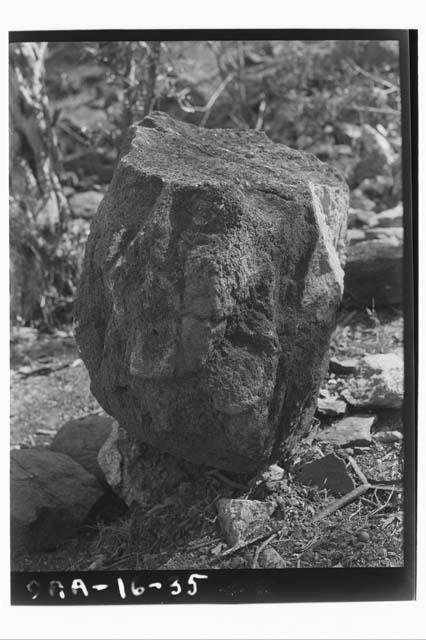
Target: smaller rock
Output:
[
  {"x": 134, "y": 470},
  {"x": 274, "y": 473},
  {"x": 269, "y": 558},
  {"x": 391, "y": 217},
  {"x": 388, "y": 436},
  {"x": 363, "y": 536},
  {"x": 85, "y": 204},
  {"x": 240, "y": 519},
  {"x": 217, "y": 550},
  {"x": 351, "y": 431},
  {"x": 380, "y": 382},
  {"x": 272, "y": 481},
  {"x": 51, "y": 496},
  {"x": 356, "y": 235},
  {"x": 331, "y": 406},
  {"x": 396, "y": 234},
  {"x": 361, "y": 217},
  {"x": 328, "y": 472},
  {"x": 343, "y": 367},
  {"x": 82, "y": 439}
]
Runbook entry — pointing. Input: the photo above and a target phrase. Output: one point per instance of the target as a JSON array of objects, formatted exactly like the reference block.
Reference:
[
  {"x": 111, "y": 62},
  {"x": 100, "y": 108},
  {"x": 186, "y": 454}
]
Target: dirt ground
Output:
[{"x": 179, "y": 528}]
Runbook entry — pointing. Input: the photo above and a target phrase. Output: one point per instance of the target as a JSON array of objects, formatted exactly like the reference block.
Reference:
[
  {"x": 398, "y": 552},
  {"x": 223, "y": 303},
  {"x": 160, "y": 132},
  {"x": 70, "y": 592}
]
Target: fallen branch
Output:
[
  {"x": 385, "y": 487},
  {"x": 243, "y": 545},
  {"x": 371, "y": 76},
  {"x": 343, "y": 501},
  {"x": 43, "y": 371},
  {"x": 357, "y": 470}
]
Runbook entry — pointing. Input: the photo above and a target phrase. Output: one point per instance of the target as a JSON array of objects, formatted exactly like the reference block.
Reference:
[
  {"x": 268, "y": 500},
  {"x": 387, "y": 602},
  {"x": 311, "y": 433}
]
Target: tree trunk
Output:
[{"x": 38, "y": 207}]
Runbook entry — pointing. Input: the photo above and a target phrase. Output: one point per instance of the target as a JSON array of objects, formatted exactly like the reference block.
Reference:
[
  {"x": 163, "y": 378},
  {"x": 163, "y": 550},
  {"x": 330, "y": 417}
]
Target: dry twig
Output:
[
  {"x": 357, "y": 470},
  {"x": 343, "y": 501},
  {"x": 260, "y": 549},
  {"x": 243, "y": 545}
]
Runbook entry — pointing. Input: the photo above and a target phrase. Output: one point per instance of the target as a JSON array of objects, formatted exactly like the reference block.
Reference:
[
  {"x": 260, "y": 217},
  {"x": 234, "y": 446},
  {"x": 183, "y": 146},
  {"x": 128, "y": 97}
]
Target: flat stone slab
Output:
[
  {"x": 351, "y": 431},
  {"x": 328, "y": 472},
  {"x": 383, "y": 233},
  {"x": 388, "y": 436},
  {"x": 51, "y": 496},
  {"x": 82, "y": 439},
  {"x": 242, "y": 519},
  {"x": 331, "y": 407},
  {"x": 343, "y": 367},
  {"x": 391, "y": 217},
  {"x": 379, "y": 383},
  {"x": 356, "y": 235}
]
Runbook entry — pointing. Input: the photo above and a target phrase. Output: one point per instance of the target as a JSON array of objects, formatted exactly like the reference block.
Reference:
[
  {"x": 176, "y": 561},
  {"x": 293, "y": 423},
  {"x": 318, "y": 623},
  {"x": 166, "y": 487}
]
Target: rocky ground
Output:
[{"x": 189, "y": 516}]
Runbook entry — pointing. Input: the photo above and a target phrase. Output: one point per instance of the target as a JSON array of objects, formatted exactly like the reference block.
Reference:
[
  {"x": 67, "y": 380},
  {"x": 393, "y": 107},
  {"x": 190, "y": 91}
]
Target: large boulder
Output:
[
  {"x": 51, "y": 495},
  {"x": 210, "y": 284}
]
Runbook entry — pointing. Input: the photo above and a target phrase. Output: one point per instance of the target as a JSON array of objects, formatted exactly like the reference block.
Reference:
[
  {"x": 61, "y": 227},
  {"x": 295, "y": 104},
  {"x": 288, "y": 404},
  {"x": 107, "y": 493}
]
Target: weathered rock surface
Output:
[
  {"x": 82, "y": 440},
  {"x": 331, "y": 406},
  {"x": 269, "y": 558},
  {"x": 209, "y": 289},
  {"x": 136, "y": 472},
  {"x": 328, "y": 472},
  {"x": 348, "y": 432},
  {"x": 380, "y": 382},
  {"x": 374, "y": 271},
  {"x": 51, "y": 496},
  {"x": 242, "y": 519},
  {"x": 391, "y": 217}
]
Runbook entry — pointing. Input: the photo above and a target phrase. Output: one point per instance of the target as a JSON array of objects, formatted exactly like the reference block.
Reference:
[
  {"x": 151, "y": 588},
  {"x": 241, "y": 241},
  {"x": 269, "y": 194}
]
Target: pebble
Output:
[
  {"x": 388, "y": 436},
  {"x": 363, "y": 536}
]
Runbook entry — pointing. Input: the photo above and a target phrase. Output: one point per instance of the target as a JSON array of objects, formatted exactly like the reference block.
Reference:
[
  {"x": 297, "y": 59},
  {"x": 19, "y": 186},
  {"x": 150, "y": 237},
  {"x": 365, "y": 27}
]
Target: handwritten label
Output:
[{"x": 124, "y": 588}]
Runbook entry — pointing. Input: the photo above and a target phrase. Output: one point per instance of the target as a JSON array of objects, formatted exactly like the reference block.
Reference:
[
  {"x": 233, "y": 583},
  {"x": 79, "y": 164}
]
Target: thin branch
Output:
[
  {"x": 357, "y": 470},
  {"x": 343, "y": 501},
  {"x": 367, "y": 74},
  {"x": 260, "y": 549},
  {"x": 390, "y": 112},
  {"x": 243, "y": 545}
]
